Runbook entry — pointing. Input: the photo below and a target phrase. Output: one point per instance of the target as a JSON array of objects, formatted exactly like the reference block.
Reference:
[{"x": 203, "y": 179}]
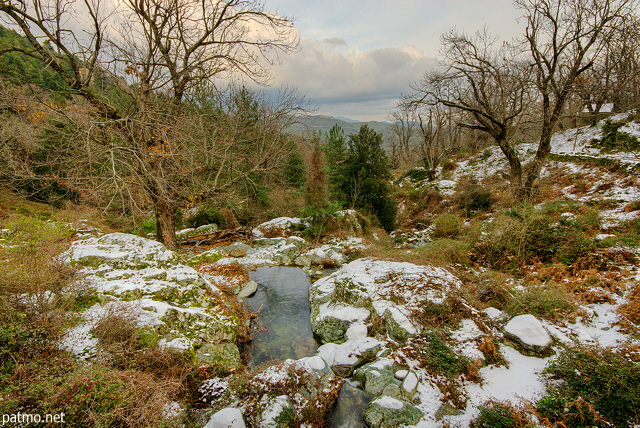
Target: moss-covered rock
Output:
[
  {"x": 222, "y": 356},
  {"x": 386, "y": 412}
]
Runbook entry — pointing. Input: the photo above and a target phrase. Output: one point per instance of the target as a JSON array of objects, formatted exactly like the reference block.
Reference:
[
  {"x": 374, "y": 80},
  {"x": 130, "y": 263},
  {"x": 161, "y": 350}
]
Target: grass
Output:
[
  {"x": 130, "y": 382},
  {"x": 497, "y": 414},
  {"x": 549, "y": 301}
]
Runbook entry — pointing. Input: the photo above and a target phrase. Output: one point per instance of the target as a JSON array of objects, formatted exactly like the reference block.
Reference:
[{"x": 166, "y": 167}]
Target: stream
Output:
[{"x": 282, "y": 301}]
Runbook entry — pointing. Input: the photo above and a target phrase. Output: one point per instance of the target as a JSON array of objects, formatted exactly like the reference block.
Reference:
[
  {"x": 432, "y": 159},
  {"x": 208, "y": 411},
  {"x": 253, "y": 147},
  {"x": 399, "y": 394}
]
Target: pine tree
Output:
[
  {"x": 335, "y": 150},
  {"x": 367, "y": 172}
]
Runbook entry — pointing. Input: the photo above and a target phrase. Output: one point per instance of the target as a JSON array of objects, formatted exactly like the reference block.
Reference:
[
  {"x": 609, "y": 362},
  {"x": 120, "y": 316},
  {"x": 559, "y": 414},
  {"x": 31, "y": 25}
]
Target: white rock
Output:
[
  {"x": 494, "y": 314},
  {"x": 357, "y": 331},
  {"x": 313, "y": 363},
  {"x": 229, "y": 417},
  {"x": 401, "y": 374},
  {"x": 410, "y": 382},
  {"x": 527, "y": 330}
]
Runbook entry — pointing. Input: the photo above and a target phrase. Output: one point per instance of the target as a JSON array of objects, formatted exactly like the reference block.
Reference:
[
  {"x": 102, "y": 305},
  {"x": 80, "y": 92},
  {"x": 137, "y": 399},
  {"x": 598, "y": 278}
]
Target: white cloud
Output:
[
  {"x": 329, "y": 76},
  {"x": 358, "y": 57}
]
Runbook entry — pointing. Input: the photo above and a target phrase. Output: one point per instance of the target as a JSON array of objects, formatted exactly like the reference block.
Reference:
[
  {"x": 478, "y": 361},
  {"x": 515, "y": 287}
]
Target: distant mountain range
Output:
[{"x": 322, "y": 123}]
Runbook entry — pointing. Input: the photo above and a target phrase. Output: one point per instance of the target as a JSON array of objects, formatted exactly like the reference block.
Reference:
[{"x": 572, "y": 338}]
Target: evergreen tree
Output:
[
  {"x": 367, "y": 171},
  {"x": 335, "y": 150}
]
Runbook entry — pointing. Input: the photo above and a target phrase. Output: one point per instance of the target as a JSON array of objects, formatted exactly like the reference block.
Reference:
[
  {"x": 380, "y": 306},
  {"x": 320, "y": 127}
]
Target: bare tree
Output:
[
  {"x": 614, "y": 77},
  {"x": 497, "y": 83},
  {"x": 403, "y": 130},
  {"x": 490, "y": 83},
  {"x": 564, "y": 38},
  {"x": 171, "y": 49}
]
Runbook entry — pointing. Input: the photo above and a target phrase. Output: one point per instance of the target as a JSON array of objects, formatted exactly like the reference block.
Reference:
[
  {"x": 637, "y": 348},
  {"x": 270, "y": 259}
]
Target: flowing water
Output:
[{"x": 282, "y": 300}]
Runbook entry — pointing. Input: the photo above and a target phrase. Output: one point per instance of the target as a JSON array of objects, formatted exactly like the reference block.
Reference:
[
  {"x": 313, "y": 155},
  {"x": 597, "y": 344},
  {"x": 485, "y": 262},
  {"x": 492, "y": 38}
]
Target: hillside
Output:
[
  {"x": 321, "y": 123},
  {"x": 470, "y": 313}
]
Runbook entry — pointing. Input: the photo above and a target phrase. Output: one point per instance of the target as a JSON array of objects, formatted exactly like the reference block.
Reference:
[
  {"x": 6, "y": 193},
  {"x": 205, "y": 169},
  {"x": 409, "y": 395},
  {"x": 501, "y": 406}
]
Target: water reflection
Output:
[{"x": 282, "y": 299}]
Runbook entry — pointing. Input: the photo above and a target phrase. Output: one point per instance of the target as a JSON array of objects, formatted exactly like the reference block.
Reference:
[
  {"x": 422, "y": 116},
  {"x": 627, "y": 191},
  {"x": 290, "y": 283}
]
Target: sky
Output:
[{"x": 357, "y": 57}]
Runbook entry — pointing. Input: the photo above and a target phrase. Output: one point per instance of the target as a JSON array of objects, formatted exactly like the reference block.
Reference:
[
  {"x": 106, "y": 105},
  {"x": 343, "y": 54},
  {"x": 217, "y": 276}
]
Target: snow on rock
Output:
[
  {"x": 529, "y": 332},
  {"x": 375, "y": 286},
  {"x": 229, "y": 417},
  {"x": 281, "y": 226},
  {"x": 387, "y": 411},
  {"x": 306, "y": 389},
  {"x": 271, "y": 252},
  {"x": 348, "y": 356},
  {"x": 278, "y": 412},
  {"x": 142, "y": 278}
]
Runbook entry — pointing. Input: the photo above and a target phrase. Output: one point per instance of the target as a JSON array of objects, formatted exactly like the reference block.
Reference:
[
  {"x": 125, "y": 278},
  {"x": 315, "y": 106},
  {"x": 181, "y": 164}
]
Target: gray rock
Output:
[
  {"x": 399, "y": 327},
  {"x": 247, "y": 289},
  {"x": 345, "y": 358},
  {"x": 386, "y": 412}
]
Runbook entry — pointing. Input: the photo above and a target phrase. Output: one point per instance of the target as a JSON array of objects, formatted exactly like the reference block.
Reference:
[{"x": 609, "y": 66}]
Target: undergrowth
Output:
[{"x": 597, "y": 387}]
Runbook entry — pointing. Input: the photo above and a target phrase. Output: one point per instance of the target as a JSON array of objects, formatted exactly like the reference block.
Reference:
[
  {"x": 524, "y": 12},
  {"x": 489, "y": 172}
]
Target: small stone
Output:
[
  {"x": 356, "y": 331},
  {"x": 494, "y": 314},
  {"x": 410, "y": 383},
  {"x": 247, "y": 289},
  {"x": 401, "y": 374}
]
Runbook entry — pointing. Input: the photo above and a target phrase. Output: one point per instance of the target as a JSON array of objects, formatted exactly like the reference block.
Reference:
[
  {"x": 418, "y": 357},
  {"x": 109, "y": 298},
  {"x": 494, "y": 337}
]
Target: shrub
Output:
[
  {"x": 446, "y": 250},
  {"x": 526, "y": 234},
  {"x": 437, "y": 356},
  {"x": 473, "y": 198},
  {"x": 204, "y": 215},
  {"x": 447, "y": 226},
  {"x": 495, "y": 414},
  {"x": 615, "y": 140},
  {"x": 549, "y": 301},
  {"x": 595, "y": 381},
  {"x": 34, "y": 242}
]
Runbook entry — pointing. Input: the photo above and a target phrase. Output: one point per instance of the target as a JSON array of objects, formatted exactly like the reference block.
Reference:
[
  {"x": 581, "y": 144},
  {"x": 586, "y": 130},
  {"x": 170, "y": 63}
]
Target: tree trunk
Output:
[{"x": 166, "y": 224}]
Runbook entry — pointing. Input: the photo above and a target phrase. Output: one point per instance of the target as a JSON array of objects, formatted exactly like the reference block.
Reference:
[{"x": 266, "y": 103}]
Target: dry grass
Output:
[{"x": 630, "y": 311}]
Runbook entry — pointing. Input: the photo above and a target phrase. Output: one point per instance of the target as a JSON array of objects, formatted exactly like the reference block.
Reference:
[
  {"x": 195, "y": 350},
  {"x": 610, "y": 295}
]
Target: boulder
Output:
[
  {"x": 331, "y": 322},
  {"x": 345, "y": 358},
  {"x": 229, "y": 417},
  {"x": 390, "y": 412},
  {"x": 247, "y": 289},
  {"x": 308, "y": 391},
  {"x": 399, "y": 326},
  {"x": 144, "y": 278},
  {"x": 392, "y": 291},
  {"x": 528, "y": 331}
]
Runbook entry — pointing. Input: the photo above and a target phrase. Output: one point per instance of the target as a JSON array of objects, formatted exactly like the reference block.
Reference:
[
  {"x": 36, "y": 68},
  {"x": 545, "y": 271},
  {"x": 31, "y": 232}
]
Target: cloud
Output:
[
  {"x": 334, "y": 41},
  {"x": 331, "y": 77}
]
